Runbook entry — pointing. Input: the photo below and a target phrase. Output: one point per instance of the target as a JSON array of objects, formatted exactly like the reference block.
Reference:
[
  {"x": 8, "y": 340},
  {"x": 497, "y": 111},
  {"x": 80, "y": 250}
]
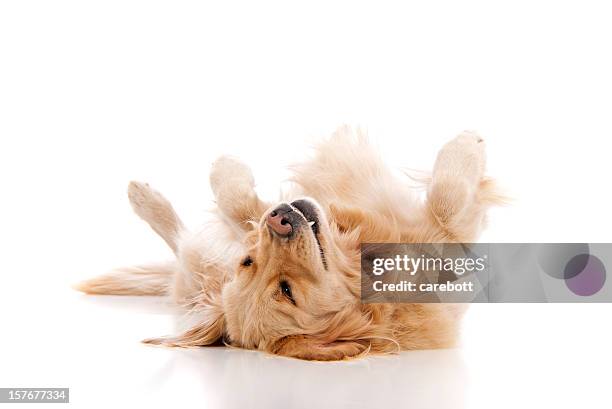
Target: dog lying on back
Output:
[{"x": 285, "y": 277}]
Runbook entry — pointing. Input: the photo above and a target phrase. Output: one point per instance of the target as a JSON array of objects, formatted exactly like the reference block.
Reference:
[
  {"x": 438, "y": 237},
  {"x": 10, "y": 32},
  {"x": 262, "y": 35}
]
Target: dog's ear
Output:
[
  {"x": 208, "y": 332},
  {"x": 312, "y": 348}
]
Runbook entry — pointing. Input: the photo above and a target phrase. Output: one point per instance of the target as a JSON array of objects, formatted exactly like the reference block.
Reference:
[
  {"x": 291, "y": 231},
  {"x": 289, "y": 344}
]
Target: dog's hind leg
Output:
[
  {"x": 233, "y": 185},
  {"x": 156, "y": 210},
  {"x": 152, "y": 279}
]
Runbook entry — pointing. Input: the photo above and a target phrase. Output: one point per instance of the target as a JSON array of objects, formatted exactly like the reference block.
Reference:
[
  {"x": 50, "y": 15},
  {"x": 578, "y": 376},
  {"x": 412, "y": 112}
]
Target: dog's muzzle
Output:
[{"x": 286, "y": 219}]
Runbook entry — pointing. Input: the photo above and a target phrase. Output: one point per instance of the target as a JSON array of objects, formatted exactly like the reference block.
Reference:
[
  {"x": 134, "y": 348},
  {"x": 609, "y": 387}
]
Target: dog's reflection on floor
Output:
[{"x": 236, "y": 378}]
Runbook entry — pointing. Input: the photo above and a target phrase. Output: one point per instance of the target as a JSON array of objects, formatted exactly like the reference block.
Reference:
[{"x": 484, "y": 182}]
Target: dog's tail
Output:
[{"x": 152, "y": 279}]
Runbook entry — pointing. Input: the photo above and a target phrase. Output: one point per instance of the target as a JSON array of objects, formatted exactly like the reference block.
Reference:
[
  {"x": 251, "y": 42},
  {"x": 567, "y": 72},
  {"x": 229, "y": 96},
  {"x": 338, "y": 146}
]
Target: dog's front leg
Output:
[
  {"x": 459, "y": 194},
  {"x": 233, "y": 184}
]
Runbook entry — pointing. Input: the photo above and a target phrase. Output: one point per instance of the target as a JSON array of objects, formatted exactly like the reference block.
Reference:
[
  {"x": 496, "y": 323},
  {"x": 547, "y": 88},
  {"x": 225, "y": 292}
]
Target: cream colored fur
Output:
[{"x": 358, "y": 199}]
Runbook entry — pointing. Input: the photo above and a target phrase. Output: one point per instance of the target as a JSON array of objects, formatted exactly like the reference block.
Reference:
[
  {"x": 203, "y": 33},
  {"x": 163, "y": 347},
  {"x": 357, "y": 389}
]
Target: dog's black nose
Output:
[{"x": 279, "y": 220}]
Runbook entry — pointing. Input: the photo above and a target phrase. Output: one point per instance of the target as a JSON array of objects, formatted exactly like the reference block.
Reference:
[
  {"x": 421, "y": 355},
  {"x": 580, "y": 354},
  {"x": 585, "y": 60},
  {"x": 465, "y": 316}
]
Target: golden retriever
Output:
[{"x": 285, "y": 278}]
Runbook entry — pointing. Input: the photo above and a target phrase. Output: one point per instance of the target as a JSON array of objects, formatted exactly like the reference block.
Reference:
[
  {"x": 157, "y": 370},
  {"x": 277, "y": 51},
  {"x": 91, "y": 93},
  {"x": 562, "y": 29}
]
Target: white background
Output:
[{"x": 94, "y": 94}]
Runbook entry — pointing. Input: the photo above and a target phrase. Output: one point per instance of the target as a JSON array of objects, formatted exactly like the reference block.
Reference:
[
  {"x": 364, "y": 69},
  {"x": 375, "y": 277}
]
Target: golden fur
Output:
[{"x": 358, "y": 199}]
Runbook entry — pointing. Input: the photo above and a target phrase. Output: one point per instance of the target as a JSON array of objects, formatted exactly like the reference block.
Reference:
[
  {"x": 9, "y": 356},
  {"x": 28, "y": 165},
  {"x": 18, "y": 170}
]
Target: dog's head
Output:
[{"x": 291, "y": 294}]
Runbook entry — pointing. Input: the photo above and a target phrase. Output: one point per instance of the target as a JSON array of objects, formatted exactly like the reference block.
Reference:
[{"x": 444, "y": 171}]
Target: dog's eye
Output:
[
  {"x": 247, "y": 261},
  {"x": 286, "y": 289}
]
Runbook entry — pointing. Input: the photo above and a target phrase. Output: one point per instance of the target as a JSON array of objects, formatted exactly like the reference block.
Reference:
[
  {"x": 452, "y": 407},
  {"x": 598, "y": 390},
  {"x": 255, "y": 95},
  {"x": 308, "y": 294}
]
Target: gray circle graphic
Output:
[{"x": 554, "y": 257}]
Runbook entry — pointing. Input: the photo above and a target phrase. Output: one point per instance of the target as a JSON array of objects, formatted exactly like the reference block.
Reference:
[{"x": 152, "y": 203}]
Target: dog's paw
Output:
[
  {"x": 145, "y": 200},
  {"x": 464, "y": 156},
  {"x": 468, "y": 137},
  {"x": 228, "y": 169}
]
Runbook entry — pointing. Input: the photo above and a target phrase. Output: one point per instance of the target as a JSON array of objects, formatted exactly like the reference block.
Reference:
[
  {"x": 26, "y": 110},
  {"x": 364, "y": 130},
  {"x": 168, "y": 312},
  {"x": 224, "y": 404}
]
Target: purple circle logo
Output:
[{"x": 585, "y": 275}]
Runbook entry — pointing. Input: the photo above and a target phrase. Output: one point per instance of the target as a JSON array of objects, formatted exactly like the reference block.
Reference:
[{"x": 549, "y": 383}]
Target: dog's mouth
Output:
[{"x": 311, "y": 215}]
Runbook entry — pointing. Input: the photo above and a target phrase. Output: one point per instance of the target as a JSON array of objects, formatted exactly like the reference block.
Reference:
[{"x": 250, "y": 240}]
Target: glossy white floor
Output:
[{"x": 513, "y": 356}]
